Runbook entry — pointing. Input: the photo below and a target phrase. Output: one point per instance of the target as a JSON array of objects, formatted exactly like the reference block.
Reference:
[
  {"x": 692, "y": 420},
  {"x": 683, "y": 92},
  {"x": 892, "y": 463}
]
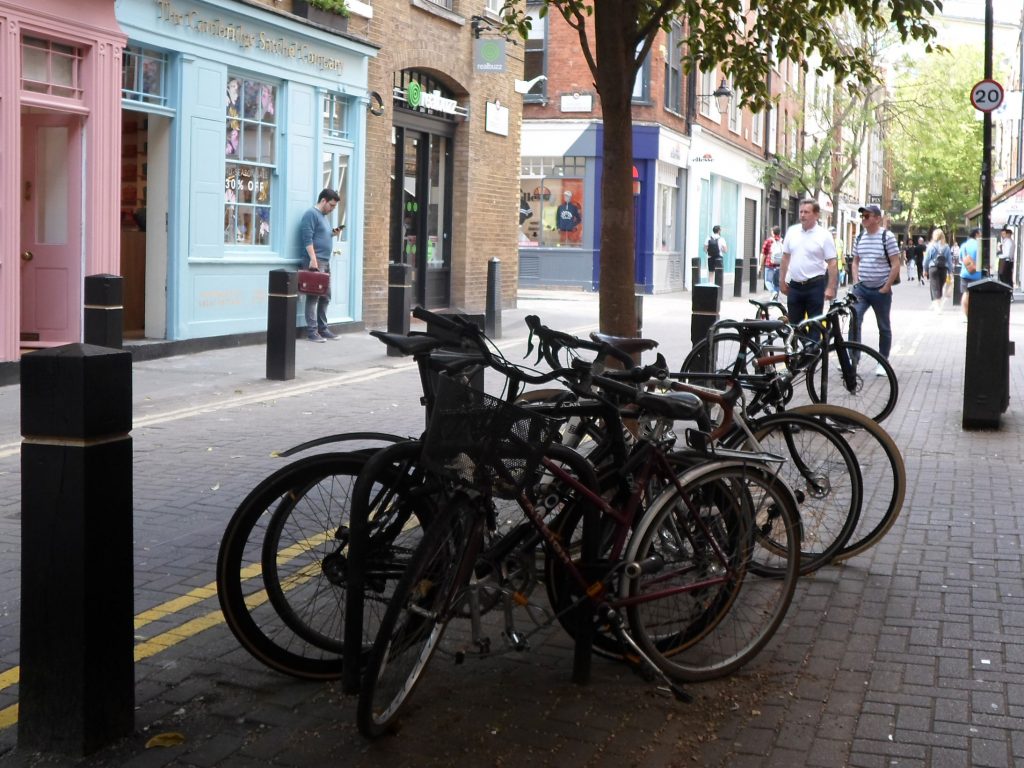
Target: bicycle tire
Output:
[
  {"x": 689, "y": 637},
  {"x": 822, "y": 472},
  {"x": 248, "y": 612},
  {"x": 883, "y": 469},
  {"x": 728, "y": 346},
  {"x": 423, "y": 603},
  {"x": 874, "y": 395}
]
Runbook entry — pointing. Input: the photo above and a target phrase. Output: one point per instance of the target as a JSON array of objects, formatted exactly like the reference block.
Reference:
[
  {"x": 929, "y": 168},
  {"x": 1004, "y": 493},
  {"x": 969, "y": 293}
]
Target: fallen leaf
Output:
[{"x": 168, "y": 739}]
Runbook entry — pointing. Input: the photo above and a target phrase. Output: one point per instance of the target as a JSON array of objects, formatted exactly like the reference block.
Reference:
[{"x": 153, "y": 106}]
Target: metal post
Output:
[
  {"x": 695, "y": 273},
  {"x": 638, "y": 308},
  {"x": 706, "y": 305},
  {"x": 737, "y": 286},
  {"x": 755, "y": 265},
  {"x": 77, "y": 680},
  {"x": 282, "y": 301},
  {"x": 399, "y": 301},
  {"x": 957, "y": 288},
  {"x": 720, "y": 276},
  {"x": 104, "y": 311},
  {"x": 492, "y": 313}
]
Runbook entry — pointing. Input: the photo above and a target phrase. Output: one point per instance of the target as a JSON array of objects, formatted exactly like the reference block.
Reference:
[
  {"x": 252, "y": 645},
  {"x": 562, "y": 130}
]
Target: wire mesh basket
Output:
[{"x": 482, "y": 440}]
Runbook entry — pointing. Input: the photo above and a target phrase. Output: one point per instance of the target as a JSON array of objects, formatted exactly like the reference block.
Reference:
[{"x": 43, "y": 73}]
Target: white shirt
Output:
[{"x": 809, "y": 251}]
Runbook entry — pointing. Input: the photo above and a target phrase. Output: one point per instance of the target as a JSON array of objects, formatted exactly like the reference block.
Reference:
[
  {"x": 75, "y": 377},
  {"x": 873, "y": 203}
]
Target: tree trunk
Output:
[{"x": 615, "y": 68}]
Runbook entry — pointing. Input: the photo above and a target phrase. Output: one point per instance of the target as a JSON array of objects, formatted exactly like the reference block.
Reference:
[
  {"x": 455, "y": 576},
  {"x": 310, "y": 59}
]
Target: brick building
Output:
[
  {"x": 695, "y": 165},
  {"x": 442, "y": 151}
]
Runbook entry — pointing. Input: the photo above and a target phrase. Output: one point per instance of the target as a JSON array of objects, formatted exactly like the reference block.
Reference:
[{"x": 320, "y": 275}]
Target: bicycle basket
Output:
[{"x": 478, "y": 439}]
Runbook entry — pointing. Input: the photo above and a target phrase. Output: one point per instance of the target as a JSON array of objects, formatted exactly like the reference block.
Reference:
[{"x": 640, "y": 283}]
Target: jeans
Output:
[
  {"x": 771, "y": 278},
  {"x": 806, "y": 300},
  {"x": 881, "y": 303},
  {"x": 316, "y": 313}
]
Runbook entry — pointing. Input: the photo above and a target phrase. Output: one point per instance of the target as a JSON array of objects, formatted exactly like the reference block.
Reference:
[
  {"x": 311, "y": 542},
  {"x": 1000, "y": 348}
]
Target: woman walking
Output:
[{"x": 936, "y": 264}]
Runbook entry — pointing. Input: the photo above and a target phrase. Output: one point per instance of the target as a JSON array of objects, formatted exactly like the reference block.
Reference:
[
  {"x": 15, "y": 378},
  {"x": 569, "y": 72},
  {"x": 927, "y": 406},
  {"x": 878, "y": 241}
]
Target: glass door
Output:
[{"x": 334, "y": 169}]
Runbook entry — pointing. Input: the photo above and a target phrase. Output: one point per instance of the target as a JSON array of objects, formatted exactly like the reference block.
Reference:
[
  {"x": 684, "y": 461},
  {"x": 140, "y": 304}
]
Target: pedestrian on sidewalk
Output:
[
  {"x": 876, "y": 265},
  {"x": 771, "y": 261},
  {"x": 970, "y": 266},
  {"x": 809, "y": 275},
  {"x": 316, "y": 236},
  {"x": 919, "y": 250},
  {"x": 1007, "y": 253},
  {"x": 937, "y": 262}
]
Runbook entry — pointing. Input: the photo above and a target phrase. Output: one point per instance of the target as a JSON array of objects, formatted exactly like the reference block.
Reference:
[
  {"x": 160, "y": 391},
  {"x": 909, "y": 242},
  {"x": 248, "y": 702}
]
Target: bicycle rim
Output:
[
  {"x": 725, "y": 609},
  {"x": 873, "y": 395},
  {"x": 242, "y": 584},
  {"x": 821, "y": 470},
  {"x": 882, "y": 468},
  {"x": 728, "y": 348},
  {"x": 423, "y": 603}
]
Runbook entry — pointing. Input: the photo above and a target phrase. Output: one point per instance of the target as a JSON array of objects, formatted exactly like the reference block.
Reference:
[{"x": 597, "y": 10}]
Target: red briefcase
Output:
[{"x": 314, "y": 283}]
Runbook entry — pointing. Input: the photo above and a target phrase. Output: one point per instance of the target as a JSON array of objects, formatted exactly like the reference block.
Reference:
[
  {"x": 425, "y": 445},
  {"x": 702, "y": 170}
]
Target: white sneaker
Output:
[{"x": 880, "y": 371}]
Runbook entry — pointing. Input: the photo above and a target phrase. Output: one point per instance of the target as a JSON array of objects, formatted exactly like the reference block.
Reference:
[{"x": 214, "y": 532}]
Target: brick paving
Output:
[{"x": 906, "y": 655}]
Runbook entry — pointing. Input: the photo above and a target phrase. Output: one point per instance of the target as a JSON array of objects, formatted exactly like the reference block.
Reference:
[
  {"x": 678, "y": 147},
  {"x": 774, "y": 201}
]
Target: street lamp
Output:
[{"x": 722, "y": 94}]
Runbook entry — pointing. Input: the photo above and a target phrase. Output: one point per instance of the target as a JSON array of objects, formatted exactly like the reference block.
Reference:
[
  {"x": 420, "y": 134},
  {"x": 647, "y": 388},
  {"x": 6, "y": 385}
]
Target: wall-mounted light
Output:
[{"x": 722, "y": 95}]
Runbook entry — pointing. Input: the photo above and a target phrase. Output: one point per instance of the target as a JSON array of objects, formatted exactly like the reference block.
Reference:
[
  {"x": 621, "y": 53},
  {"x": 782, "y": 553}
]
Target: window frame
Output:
[{"x": 239, "y": 126}]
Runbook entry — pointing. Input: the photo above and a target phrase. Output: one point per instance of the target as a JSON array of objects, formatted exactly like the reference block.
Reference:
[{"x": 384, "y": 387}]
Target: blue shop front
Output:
[
  {"x": 560, "y": 205},
  {"x": 234, "y": 117}
]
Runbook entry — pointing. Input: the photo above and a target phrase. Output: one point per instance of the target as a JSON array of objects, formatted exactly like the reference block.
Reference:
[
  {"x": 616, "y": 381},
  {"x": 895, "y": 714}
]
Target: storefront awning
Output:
[{"x": 1008, "y": 203}]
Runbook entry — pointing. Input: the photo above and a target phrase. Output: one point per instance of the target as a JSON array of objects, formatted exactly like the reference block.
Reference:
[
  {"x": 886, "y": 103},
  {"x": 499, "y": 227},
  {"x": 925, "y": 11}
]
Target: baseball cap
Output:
[{"x": 872, "y": 208}]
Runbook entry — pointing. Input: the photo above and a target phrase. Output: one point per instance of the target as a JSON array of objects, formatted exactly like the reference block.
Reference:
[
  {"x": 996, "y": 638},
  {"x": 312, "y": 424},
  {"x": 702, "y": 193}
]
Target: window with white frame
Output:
[
  {"x": 674, "y": 69},
  {"x": 707, "y": 87},
  {"x": 756, "y": 125},
  {"x": 250, "y": 150},
  {"x": 143, "y": 76},
  {"x": 535, "y": 54},
  {"x": 642, "y": 83},
  {"x": 51, "y": 68},
  {"x": 493, "y": 7},
  {"x": 735, "y": 121},
  {"x": 665, "y": 222}
]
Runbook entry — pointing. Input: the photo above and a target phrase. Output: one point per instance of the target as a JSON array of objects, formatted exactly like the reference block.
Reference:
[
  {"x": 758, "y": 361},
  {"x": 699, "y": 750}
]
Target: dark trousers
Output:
[
  {"x": 806, "y": 300},
  {"x": 1005, "y": 273},
  {"x": 936, "y": 282}
]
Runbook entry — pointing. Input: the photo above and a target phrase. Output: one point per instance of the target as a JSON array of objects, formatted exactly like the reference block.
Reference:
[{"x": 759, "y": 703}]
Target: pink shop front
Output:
[{"x": 60, "y": 159}]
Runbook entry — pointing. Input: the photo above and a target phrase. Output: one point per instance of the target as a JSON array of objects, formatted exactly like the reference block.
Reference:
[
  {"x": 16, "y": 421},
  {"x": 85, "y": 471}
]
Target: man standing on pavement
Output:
[
  {"x": 1007, "y": 251},
  {"x": 809, "y": 274},
  {"x": 716, "y": 248},
  {"x": 876, "y": 265},
  {"x": 771, "y": 261},
  {"x": 317, "y": 240}
]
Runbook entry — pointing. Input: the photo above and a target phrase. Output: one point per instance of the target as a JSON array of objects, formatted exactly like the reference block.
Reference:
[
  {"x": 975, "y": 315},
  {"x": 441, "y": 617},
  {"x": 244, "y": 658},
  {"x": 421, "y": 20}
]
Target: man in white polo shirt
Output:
[{"x": 809, "y": 274}]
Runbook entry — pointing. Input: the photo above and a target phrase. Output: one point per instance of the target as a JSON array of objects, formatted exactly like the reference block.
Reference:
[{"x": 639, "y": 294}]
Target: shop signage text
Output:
[{"x": 245, "y": 37}]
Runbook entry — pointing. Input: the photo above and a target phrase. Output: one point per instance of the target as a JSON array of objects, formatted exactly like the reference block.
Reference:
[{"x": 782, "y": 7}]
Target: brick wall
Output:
[{"x": 485, "y": 165}]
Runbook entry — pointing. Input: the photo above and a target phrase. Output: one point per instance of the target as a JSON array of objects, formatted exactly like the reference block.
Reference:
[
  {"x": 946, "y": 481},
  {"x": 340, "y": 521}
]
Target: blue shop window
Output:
[
  {"x": 143, "y": 76},
  {"x": 250, "y": 151}
]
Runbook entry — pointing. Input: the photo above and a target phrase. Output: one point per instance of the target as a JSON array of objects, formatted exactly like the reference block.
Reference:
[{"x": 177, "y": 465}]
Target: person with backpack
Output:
[
  {"x": 937, "y": 261},
  {"x": 876, "y": 268},
  {"x": 715, "y": 248},
  {"x": 771, "y": 261}
]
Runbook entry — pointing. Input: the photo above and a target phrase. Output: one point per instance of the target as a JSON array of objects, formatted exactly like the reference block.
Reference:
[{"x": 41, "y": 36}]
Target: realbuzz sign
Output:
[{"x": 417, "y": 98}]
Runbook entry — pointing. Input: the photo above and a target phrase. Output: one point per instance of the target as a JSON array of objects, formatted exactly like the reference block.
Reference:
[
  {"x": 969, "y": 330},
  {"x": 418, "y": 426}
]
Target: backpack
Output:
[
  {"x": 714, "y": 253},
  {"x": 939, "y": 260},
  {"x": 775, "y": 254}
]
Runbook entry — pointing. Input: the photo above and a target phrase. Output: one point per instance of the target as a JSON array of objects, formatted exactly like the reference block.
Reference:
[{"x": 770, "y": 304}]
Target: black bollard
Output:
[
  {"x": 755, "y": 265},
  {"x": 399, "y": 300},
  {"x": 77, "y": 686},
  {"x": 707, "y": 303},
  {"x": 282, "y": 301},
  {"x": 957, "y": 289},
  {"x": 492, "y": 313},
  {"x": 987, "y": 355},
  {"x": 695, "y": 273},
  {"x": 737, "y": 285},
  {"x": 720, "y": 275},
  {"x": 104, "y": 311}
]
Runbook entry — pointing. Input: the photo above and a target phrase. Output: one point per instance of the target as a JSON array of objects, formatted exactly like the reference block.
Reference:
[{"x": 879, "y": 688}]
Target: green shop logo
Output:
[{"x": 414, "y": 94}]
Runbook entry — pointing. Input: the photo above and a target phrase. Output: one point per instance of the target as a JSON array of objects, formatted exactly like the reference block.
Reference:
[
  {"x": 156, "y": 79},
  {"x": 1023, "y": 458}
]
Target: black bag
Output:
[
  {"x": 714, "y": 253},
  {"x": 939, "y": 260}
]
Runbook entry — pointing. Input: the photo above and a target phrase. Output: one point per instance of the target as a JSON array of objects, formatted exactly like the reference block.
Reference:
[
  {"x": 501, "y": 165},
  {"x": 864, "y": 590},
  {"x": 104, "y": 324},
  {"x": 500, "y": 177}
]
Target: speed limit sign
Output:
[{"x": 987, "y": 95}]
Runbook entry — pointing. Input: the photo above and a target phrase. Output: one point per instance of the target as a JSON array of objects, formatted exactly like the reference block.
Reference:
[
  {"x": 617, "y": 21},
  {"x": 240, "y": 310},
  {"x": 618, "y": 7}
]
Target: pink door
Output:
[{"x": 51, "y": 229}]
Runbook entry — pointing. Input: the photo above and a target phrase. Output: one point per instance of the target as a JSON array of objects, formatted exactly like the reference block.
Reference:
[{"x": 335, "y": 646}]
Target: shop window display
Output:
[
  {"x": 552, "y": 205},
  {"x": 251, "y": 152}
]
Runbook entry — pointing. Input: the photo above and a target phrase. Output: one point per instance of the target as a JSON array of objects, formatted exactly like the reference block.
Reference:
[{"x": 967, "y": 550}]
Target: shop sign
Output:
[
  {"x": 496, "y": 118},
  {"x": 416, "y": 98},
  {"x": 489, "y": 55},
  {"x": 246, "y": 38}
]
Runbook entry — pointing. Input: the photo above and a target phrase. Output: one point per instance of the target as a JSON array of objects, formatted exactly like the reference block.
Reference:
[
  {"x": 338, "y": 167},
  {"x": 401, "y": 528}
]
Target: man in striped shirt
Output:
[{"x": 876, "y": 265}]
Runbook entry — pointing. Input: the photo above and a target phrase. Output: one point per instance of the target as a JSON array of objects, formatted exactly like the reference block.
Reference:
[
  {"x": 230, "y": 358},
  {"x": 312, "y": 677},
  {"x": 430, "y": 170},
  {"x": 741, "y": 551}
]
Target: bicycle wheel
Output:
[
  {"x": 306, "y": 559},
  {"x": 822, "y": 471},
  {"x": 316, "y": 488},
  {"x": 730, "y": 349},
  {"x": 699, "y": 607},
  {"x": 424, "y": 601},
  {"x": 873, "y": 389},
  {"x": 882, "y": 468}
]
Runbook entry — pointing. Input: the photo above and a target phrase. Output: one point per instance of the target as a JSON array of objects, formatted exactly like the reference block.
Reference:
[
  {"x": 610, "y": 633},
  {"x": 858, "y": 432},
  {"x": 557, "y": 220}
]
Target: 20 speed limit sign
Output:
[{"x": 987, "y": 95}]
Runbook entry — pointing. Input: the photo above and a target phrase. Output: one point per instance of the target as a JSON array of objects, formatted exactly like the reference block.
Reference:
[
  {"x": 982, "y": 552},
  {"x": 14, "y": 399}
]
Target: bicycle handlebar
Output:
[{"x": 552, "y": 341}]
